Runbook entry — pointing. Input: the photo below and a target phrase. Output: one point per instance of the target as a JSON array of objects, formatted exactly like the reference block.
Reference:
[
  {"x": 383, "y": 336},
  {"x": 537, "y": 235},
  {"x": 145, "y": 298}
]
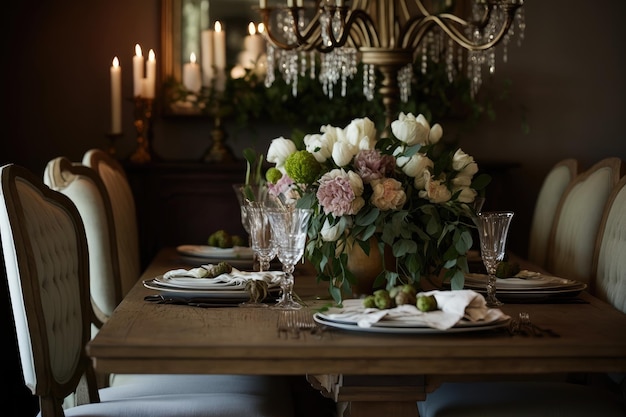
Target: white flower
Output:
[
  {"x": 343, "y": 152},
  {"x": 460, "y": 160},
  {"x": 436, "y": 132},
  {"x": 330, "y": 233},
  {"x": 359, "y": 129},
  {"x": 411, "y": 130},
  {"x": 467, "y": 194},
  {"x": 279, "y": 150},
  {"x": 319, "y": 146},
  {"x": 435, "y": 191},
  {"x": 415, "y": 165}
]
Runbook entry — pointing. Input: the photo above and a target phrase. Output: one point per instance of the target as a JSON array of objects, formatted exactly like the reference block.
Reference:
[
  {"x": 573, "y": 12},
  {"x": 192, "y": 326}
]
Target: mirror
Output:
[{"x": 182, "y": 25}]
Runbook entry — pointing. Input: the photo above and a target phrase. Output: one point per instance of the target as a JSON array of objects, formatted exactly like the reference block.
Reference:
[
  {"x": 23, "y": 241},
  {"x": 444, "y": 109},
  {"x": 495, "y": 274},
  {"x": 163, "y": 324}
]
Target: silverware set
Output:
[
  {"x": 291, "y": 323},
  {"x": 524, "y": 327}
]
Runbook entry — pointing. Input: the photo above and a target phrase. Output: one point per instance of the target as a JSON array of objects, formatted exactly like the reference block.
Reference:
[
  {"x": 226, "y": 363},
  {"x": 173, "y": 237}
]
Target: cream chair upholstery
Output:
[
  {"x": 577, "y": 220},
  {"x": 124, "y": 214},
  {"x": 46, "y": 256},
  {"x": 85, "y": 188},
  {"x": 609, "y": 283},
  {"x": 552, "y": 188}
]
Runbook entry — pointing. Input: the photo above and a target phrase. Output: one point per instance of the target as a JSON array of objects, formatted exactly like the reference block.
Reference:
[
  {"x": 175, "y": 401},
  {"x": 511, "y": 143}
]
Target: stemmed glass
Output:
[
  {"x": 289, "y": 228},
  {"x": 493, "y": 227},
  {"x": 261, "y": 240},
  {"x": 246, "y": 192}
]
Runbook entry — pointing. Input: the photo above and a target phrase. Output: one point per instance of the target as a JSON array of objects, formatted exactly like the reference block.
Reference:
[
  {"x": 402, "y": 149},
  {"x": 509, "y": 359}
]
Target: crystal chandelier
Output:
[{"x": 387, "y": 37}]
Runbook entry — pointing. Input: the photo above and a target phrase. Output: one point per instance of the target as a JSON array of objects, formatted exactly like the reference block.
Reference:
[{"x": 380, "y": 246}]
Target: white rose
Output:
[
  {"x": 462, "y": 180},
  {"x": 415, "y": 165},
  {"x": 467, "y": 194},
  {"x": 279, "y": 149},
  {"x": 343, "y": 152},
  {"x": 359, "y": 129},
  {"x": 460, "y": 160},
  {"x": 470, "y": 169},
  {"x": 320, "y": 148},
  {"x": 330, "y": 233},
  {"x": 332, "y": 134},
  {"x": 411, "y": 130},
  {"x": 436, "y": 132}
]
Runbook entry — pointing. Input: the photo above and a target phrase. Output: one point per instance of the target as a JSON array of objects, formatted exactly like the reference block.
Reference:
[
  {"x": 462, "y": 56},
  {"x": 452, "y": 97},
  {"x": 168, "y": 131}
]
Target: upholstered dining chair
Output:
[
  {"x": 87, "y": 191},
  {"x": 45, "y": 252},
  {"x": 124, "y": 214},
  {"x": 552, "y": 188},
  {"x": 609, "y": 261},
  {"x": 577, "y": 220},
  {"x": 557, "y": 398}
]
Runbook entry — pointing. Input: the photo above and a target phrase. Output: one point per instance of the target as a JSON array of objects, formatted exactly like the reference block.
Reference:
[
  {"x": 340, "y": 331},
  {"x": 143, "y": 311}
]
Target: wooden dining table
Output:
[{"x": 375, "y": 374}]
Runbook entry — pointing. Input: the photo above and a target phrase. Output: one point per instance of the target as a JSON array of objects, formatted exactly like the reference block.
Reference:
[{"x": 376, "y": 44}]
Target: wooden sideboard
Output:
[{"x": 184, "y": 202}]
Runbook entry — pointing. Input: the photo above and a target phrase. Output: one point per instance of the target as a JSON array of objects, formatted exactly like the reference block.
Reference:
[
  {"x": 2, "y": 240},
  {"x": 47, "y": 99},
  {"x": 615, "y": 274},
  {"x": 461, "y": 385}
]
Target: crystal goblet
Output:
[
  {"x": 493, "y": 227},
  {"x": 289, "y": 229}
]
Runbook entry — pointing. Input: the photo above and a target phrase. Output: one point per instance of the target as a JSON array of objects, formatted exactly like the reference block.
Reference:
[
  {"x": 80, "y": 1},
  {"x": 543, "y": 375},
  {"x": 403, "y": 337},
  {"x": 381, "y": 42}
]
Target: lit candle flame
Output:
[
  {"x": 261, "y": 28},
  {"x": 251, "y": 29},
  {"x": 151, "y": 56},
  {"x": 192, "y": 58},
  {"x": 138, "y": 50},
  {"x": 116, "y": 62},
  {"x": 218, "y": 26}
]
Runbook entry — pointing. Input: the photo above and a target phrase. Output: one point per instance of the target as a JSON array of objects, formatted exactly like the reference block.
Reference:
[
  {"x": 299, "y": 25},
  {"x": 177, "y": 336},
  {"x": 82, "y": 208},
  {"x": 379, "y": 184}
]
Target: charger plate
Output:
[{"x": 461, "y": 327}]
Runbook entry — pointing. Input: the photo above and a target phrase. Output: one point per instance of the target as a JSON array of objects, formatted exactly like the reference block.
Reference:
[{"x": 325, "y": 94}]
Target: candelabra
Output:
[
  {"x": 143, "y": 118},
  {"x": 388, "y": 36}
]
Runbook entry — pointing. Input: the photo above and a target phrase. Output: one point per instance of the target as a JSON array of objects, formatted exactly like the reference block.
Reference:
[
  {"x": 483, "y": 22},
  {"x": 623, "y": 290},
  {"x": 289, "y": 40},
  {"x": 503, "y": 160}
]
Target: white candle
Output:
[
  {"x": 116, "y": 96},
  {"x": 289, "y": 3},
  {"x": 219, "y": 42},
  {"x": 192, "y": 79},
  {"x": 263, "y": 4},
  {"x": 137, "y": 71},
  {"x": 150, "y": 82},
  {"x": 206, "y": 40},
  {"x": 254, "y": 46}
]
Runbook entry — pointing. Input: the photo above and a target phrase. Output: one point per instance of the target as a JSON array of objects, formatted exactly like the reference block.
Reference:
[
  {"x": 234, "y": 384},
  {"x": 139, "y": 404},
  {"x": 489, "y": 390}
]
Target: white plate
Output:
[
  {"x": 197, "y": 284},
  {"x": 538, "y": 295},
  {"x": 411, "y": 330},
  {"x": 538, "y": 282},
  {"x": 240, "y": 294},
  {"x": 212, "y": 252}
]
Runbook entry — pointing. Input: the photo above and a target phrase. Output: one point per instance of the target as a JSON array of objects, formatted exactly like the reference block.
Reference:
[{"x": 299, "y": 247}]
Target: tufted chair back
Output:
[
  {"x": 124, "y": 214},
  {"x": 609, "y": 258},
  {"x": 45, "y": 252},
  {"x": 85, "y": 188},
  {"x": 552, "y": 188},
  {"x": 577, "y": 220}
]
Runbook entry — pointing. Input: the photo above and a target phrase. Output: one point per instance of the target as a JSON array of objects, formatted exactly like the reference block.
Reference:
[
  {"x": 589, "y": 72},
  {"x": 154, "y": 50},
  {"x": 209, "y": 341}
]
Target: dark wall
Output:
[{"x": 567, "y": 86}]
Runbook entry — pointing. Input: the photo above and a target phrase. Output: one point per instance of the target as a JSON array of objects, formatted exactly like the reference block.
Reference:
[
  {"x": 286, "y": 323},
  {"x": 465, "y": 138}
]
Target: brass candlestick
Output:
[
  {"x": 143, "y": 117},
  {"x": 112, "y": 138},
  {"x": 218, "y": 152}
]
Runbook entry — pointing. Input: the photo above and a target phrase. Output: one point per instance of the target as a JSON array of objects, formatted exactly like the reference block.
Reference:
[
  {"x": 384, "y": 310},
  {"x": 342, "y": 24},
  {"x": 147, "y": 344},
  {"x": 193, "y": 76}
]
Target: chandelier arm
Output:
[{"x": 356, "y": 17}]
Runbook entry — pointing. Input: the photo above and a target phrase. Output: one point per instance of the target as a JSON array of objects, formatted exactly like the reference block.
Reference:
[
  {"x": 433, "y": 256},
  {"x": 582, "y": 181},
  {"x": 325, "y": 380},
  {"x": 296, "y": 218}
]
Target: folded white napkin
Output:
[
  {"x": 452, "y": 307},
  {"x": 234, "y": 277}
]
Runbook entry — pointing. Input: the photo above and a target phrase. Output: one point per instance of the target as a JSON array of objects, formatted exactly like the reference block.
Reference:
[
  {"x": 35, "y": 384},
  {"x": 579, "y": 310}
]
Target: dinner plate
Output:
[
  {"x": 212, "y": 252},
  {"x": 215, "y": 284},
  {"x": 538, "y": 295},
  {"x": 230, "y": 294},
  {"x": 378, "y": 328},
  {"x": 528, "y": 283}
]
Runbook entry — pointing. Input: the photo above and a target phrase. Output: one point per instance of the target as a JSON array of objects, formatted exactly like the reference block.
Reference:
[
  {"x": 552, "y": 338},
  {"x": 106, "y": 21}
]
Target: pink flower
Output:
[
  {"x": 339, "y": 193},
  {"x": 388, "y": 194},
  {"x": 372, "y": 165}
]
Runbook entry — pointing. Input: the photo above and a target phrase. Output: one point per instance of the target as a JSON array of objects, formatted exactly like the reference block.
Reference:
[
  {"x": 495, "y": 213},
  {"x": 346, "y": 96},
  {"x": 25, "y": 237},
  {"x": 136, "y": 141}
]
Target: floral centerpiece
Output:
[{"x": 408, "y": 190}]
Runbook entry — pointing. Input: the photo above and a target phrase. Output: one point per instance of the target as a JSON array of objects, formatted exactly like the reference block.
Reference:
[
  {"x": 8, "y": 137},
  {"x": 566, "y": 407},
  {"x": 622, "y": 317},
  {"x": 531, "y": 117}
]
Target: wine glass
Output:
[
  {"x": 289, "y": 229},
  {"x": 261, "y": 241},
  {"x": 247, "y": 192},
  {"x": 493, "y": 227}
]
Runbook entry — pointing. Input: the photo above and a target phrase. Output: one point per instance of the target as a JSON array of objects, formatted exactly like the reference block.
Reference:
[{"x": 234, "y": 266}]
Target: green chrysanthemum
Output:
[
  {"x": 273, "y": 175},
  {"x": 302, "y": 167}
]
